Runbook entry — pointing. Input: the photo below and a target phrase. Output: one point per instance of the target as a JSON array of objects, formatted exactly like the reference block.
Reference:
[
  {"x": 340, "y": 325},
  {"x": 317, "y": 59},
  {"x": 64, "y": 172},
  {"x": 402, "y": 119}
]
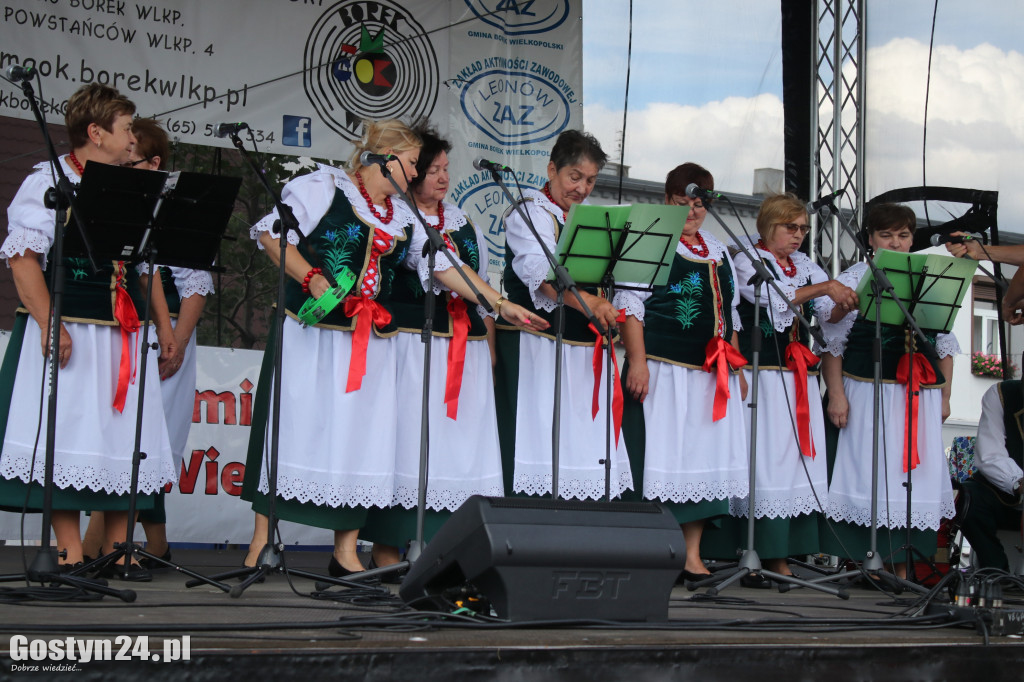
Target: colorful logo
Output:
[
  {"x": 515, "y": 107},
  {"x": 521, "y": 17},
  {"x": 296, "y": 131},
  {"x": 369, "y": 60}
]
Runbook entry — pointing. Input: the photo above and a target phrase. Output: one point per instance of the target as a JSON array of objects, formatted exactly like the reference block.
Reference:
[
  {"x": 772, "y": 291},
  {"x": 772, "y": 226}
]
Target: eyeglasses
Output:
[
  {"x": 677, "y": 200},
  {"x": 793, "y": 227},
  {"x": 133, "y": 164}
]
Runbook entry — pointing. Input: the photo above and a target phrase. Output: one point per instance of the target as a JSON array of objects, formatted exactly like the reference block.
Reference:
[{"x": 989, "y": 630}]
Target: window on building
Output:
[{"x": 985, "y": 332}]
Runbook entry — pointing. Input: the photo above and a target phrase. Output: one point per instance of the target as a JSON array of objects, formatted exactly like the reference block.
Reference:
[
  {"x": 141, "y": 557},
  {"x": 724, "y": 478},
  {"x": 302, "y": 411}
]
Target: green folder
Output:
[
  {"x": 931, "y": 286},
  {"x": 630, "y": 244}
]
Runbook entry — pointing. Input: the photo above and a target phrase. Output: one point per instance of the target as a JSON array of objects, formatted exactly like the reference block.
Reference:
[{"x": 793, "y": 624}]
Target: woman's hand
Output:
[
  {"x": 945, "y": 408},
  {"x": 606, "y": 313},
  {"x": 638, "y": 382},
  {"x": 521, "y": 317},
  {"x": 318, "y": 286},
  {"x": 838, "y": 409},
  {"x": 65, "y": 345},
  {"x": 844, "y": 297},
  {"x": 743, "y": 385},
  {"x": 170, "y": 364}
]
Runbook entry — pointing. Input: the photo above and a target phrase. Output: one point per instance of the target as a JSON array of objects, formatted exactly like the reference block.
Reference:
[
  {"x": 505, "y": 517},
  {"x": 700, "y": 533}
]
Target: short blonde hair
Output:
[
  {"x": 778, "y": 209},
  {"x": 379, "y": 136}
]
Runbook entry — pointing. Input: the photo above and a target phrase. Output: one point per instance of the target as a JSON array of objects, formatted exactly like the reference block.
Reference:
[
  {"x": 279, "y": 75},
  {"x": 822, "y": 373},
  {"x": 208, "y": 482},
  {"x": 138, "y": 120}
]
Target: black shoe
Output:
[
  {"x": 135, "y": 573},
  {"x": 394, "y": 578},
  {"x": 68, "y": 568},
  {"x": 756, "y": 581},
  {"x": 336, "y": 570},
  {"x": 687, "y": 576},
  {"x": 153, "y": 564}
]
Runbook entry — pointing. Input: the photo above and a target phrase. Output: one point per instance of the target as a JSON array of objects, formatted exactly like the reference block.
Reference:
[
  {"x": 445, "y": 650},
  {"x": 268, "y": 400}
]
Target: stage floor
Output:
[{"x": 279, "y": 630}]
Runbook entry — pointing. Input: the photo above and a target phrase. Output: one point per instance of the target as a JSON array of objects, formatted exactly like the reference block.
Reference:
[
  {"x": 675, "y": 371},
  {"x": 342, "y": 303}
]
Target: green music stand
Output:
[
  {"x": 931, "y": 287},
  {"x": 631, "y": 247}
]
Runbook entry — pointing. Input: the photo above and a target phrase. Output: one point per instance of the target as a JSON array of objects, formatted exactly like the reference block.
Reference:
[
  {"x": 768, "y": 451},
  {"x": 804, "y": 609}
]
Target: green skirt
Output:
[{"x": 774, "y": 538}]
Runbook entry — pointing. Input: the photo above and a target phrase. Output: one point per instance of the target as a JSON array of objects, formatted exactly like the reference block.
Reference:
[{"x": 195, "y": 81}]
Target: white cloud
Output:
[
  {"x": 730, "y": 138},
  {"x": 975, "y": 130}
]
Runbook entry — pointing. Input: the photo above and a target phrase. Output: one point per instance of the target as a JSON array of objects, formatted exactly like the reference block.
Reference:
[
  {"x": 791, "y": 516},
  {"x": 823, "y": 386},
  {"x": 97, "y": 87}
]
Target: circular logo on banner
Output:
[
  {"x": 369, "y": 60},
  {"x": 521, "y": 17},
  {"x": 515, "y": 107}
]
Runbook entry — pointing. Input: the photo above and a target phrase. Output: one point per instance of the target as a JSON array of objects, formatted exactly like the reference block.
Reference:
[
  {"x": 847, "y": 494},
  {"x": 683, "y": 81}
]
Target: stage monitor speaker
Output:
[{"x": 542, "y": 559}]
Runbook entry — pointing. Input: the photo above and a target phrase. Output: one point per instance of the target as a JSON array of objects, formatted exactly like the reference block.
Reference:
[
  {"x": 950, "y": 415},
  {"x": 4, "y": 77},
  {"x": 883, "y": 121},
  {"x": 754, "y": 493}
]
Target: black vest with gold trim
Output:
[
  {"x": 407, "y": 297},
  {"x": 693, "y": 306},
  {"x": 576, "y": 329},
  {"x": 342, "y": 239}
]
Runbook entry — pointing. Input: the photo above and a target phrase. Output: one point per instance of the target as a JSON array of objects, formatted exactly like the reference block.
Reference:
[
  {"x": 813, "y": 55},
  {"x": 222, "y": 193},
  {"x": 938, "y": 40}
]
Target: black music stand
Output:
[
  {"x": 134, "y": 219},
  {"x": 630, "y": 247}
]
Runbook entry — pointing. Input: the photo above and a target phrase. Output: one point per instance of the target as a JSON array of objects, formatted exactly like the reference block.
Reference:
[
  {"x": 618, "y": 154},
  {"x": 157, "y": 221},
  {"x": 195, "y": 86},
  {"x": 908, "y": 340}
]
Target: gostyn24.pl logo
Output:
[{"x": 296, "y": 131}]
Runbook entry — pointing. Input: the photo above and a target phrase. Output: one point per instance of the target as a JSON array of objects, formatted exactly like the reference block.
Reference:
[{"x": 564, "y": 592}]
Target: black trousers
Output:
[{"x": 987, "y": 511}]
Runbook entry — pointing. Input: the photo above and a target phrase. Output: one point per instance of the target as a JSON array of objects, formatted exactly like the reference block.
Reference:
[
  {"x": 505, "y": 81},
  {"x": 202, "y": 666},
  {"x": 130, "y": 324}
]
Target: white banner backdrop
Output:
[
  {"x": 205, "y": 506},
  {"x": 500, "y": 78}
]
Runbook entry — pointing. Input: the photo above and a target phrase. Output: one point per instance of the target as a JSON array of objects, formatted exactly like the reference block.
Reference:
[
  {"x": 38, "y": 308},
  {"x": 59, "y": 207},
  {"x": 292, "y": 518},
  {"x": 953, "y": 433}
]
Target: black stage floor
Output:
[{"x": 279, "y": 631}]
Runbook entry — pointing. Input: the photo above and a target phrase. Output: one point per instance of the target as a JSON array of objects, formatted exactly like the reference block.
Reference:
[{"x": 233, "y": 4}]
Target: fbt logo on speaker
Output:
[
  {"x": 68, "y": 653},
  {"x": 588, "y": 584}
]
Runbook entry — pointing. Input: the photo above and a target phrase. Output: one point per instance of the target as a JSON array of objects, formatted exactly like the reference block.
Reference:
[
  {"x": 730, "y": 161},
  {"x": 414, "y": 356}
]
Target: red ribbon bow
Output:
[
  {"x": 923, "y": 374},
  {"x": 380, "y": 317},
  {"x": 720, "y": 357},
  {"x": 128, "y": 318},
  {"x": 456, "y": 355},
  {"x": 617, "y": 386},
  {"x": 798, "y": 359}
]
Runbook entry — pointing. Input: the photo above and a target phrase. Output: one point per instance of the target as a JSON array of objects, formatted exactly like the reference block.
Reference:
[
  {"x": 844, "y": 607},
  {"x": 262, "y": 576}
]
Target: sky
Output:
[{"x": 706, "y": 86}]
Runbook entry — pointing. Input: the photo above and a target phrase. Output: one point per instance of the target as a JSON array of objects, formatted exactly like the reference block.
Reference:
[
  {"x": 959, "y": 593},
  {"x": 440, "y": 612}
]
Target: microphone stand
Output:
[
  {"x": 563, "y": 282},
  {"x": 434, "y": 245},
  {"x": 44, "y": 567},
  {"x": 749, "y": 562}
]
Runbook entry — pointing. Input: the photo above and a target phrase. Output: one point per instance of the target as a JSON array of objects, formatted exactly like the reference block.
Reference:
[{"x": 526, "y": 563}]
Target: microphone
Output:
[
  {"x": 948, "y": 238},
  {"x": 225, "y": 129},
  {"x": 369, "y": 158},
  {"x": 823, "y": 201},
  {"x": 16, "y": 73},
  {"x": 695, "y": 192},
  {"x": 481, "y": 163}
]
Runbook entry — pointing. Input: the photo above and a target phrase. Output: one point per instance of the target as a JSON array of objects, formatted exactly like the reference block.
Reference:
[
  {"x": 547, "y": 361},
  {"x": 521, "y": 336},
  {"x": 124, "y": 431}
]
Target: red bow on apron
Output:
[
  {"x": 456, "y": 354},
  {"x": 379, "y": 316},
  {"x": 617, "y": 385},
  {"x": 128, "y": 318},
  {"x": 923, "y": 373},
  {"x": 720, "y": 357},
  {"x": 798, "y": 359}
]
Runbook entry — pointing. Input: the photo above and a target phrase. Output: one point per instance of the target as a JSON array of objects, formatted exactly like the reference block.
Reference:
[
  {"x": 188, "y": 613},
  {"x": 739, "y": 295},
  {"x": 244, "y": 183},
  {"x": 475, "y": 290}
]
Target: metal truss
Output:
[{"x": 838, "y": 124}]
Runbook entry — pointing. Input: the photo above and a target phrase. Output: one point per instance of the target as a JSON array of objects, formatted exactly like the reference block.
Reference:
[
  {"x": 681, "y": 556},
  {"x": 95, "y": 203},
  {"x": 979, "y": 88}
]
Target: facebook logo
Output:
[{"x": 296, "y": 131}]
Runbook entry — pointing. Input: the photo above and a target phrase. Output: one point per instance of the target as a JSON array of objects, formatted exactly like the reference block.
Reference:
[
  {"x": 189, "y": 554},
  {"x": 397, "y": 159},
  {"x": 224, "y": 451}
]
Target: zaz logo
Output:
[
  {"x": 521, "y": 17},
  {"x": 296, "y": 131},
  {"x": 514, "y": 107}
]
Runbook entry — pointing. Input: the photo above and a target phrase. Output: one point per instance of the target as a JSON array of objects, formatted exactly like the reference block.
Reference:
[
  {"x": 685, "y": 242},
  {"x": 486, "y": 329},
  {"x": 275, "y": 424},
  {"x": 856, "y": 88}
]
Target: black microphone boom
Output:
[
  {"x": 823, "y": 201},
  {"x": 483, "y": 164},
  {"x": 225, "y": 129},
  {"x": 950, "y": 239},
  {"x": 695, "y": 192},
  {"x": 16, "y": 73},
  {"x": 369, "y": 158}
]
